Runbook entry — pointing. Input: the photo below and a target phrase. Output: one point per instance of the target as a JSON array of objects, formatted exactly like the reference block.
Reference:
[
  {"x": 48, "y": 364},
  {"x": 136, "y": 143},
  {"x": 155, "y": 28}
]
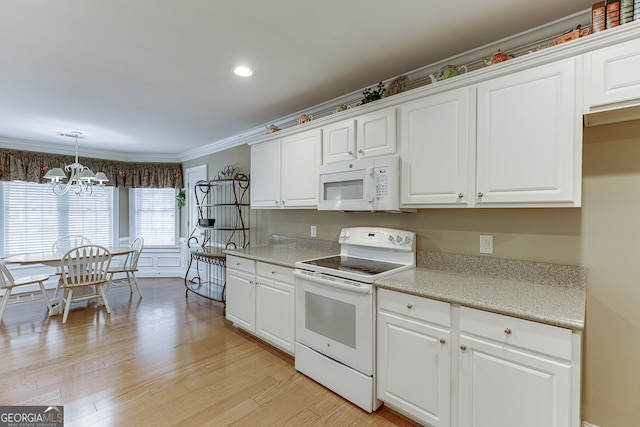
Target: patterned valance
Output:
[{"x": 31, "y": 167}]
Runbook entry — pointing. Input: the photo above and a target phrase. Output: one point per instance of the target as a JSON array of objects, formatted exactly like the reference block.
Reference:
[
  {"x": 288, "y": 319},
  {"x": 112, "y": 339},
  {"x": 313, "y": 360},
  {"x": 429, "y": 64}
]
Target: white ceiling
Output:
[{"x": 154, "y": 76}]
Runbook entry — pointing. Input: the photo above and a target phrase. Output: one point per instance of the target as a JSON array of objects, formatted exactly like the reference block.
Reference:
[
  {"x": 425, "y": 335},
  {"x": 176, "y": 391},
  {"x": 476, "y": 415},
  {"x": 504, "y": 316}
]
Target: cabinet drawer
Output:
[
  {"x": 415, "y": 307},
  {"x": 538, "y": 337},
  {"x": 241, "y": 264},
  {"x": 275, "y": 272}
]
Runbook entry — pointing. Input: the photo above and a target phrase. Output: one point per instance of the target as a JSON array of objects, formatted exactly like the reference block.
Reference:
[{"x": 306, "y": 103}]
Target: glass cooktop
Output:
[{"x": 368, "y": 267}]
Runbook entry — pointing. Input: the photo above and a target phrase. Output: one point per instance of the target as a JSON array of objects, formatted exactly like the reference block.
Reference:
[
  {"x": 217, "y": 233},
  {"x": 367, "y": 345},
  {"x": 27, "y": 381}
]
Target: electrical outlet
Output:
[
  {"x": 486, "y": 244},
  {"x": 313, "y": 231}
]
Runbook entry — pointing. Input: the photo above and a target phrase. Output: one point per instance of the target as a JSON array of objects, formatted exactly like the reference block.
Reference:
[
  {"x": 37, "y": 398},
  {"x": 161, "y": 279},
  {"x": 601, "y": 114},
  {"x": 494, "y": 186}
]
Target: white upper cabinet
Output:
[
  {"x": 339, "y": 141},
  {"x": 613, "y": 76},
  {"x": 301, "y": 156},
  {"x": 265, "y": 175},
  {"x": 436, "y": 149},
  {"x": 376, "y": 133},
  {"x": 284, "y": 172},
  {"x": 529, "y": 138},
  {"x": 369, "y": 135}
]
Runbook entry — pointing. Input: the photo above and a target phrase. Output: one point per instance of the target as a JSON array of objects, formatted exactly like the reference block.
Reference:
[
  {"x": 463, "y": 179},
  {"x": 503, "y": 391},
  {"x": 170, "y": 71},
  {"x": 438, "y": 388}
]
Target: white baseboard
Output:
[{"x": 586, "y": 424}]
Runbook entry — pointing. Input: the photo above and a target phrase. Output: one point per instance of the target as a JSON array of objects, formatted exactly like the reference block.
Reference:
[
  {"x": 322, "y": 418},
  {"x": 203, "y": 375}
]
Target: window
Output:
[
  {"x": 153, "y": 216},
  {"x": 34, "y": 218}
]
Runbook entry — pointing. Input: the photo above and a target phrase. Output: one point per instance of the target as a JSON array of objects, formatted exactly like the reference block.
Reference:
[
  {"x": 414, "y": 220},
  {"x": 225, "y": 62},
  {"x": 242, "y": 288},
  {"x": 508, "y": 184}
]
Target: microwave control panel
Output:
[{"x": 382, "y": 183}]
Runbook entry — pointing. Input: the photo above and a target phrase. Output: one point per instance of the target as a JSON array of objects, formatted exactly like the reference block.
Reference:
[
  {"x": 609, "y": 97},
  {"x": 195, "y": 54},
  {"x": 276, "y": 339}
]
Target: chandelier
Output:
[{"x": 81, "y": 179}]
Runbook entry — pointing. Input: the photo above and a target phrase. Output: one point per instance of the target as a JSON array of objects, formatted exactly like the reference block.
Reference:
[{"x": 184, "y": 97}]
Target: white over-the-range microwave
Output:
[{"x": 368, "y": 184}]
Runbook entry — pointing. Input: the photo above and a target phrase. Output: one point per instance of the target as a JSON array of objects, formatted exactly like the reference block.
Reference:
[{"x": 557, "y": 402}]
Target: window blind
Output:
[
  {"x": 34, "y": 218},
  {"x": 154, "y": 215}
]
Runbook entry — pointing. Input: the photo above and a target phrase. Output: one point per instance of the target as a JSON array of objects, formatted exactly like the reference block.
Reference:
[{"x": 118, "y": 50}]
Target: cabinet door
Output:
[
  {"x": 339, "y": 142},
  {"x": 275, "y": 312},
  {"x": 240, "y": 304},
  {"x": 612, "y": 76},
  {"x": 414, "y": 368},
  {"x": 301, "y": 156},
  {"x": 529, "y": 138},
  {"x": 265, "y": 175},
  {"x": 376, "y": 133},
  {"x": 505, "y": 387},
  {"x": 435, "y": 150}
]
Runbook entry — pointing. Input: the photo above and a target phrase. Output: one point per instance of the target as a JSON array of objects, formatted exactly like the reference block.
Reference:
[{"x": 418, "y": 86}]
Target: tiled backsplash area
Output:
[{"x": 569, "y": 276}]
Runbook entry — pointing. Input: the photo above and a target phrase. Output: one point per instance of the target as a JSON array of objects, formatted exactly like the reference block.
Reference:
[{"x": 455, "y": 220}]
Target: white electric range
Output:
[{"x": 335, "y": 309}]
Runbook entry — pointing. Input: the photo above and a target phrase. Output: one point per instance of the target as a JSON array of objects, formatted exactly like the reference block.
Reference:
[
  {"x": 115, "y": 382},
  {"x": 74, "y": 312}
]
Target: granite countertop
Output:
[
  {"x": 286, "y": 251},
  {"x": 547, "y": 293},
  {"x": 554, "y": 305}
]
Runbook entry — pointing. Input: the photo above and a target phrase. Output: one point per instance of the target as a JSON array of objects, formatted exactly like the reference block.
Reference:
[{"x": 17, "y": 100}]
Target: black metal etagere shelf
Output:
[{"x": 223, "y": 223}]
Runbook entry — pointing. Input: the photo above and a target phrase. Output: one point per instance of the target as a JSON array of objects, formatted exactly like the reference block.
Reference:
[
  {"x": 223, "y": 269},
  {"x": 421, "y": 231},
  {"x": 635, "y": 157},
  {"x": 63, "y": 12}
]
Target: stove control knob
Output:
[
  {"x": 391, "y": 239},
  {"x": 407, "y": 239},
  {"x": 399, "y": 238}
]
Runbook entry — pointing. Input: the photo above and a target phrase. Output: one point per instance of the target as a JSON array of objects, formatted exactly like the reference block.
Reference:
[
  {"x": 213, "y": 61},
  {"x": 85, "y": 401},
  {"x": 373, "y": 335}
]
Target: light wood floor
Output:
[{"x": 163, "y": 360}]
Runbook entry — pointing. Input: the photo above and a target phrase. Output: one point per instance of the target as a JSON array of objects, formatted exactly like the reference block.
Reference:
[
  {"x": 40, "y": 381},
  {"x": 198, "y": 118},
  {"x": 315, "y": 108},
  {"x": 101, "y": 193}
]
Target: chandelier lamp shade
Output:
[{"x": 81, "y": 179}]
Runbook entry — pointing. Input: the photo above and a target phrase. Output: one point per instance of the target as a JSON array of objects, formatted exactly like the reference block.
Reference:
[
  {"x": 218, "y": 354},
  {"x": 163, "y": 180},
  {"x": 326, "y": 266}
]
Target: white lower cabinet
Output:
[
  {"x": 260, "y": 299},
  {"x": 501, "y": 371},
  {"x": 275, "y": 298},
  {"x": 240, "y": 292},
  {"x": 514, "y": 372},
  {"x": 413, "y": 356}
]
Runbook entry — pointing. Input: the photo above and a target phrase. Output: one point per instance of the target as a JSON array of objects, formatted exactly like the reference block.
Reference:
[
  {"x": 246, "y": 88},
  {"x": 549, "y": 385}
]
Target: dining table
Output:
[{"x": 52, "y": 259}]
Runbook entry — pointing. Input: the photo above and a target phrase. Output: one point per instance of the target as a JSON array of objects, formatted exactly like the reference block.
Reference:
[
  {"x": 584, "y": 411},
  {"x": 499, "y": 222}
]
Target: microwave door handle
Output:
[
  {"x": 372, "y": 187},
  {"x": 335, "y": 284}
]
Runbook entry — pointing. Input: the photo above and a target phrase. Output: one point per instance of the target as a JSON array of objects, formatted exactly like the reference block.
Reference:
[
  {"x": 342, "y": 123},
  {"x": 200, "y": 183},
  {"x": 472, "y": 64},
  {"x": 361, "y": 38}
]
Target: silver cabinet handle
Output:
[
  {"x": 443, "y": 341},
  {"x": 480, "y": 194},
  {"x": 507, "y": 331},
  {"x": 463, "y": 347}
]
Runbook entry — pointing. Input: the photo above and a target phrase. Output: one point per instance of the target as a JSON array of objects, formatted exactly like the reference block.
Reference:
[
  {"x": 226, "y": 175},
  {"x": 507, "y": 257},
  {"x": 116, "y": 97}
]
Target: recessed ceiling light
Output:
[{"x": 243, "y": 71}]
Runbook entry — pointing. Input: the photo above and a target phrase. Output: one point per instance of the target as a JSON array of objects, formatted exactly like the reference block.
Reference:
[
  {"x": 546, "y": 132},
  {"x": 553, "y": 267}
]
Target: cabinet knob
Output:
[
  {"x": 273, "y": 272},
  {"x": 361, "y": 151},
  {"x": 350, "y": 153},
  {"x": 463, "y": 347},
  {"x": 276, "y": 201},
  {"x": 409, "y": 306},
  {"x": 443, "y": 341},
  {"x": 480, "y": 194},
  {"x": 283, "y": 203},
  {"x": 507, "y": 331},
  {"x": 460, "y": 195}
]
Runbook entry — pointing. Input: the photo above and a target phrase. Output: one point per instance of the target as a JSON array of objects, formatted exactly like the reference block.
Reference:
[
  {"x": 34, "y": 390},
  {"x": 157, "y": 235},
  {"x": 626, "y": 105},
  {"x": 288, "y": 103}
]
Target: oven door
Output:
[{"x": 335, "y": 318}]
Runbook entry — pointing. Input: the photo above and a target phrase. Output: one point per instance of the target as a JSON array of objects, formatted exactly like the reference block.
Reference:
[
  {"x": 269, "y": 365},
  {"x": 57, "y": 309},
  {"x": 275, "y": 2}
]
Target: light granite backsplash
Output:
[
  {"x": 330, "y": 246},
  {"x": 569, "y": 276}
]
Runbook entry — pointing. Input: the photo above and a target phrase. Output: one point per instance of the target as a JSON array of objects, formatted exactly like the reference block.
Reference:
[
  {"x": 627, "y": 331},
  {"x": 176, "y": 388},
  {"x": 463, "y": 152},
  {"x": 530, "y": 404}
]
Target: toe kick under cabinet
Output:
[
  {"x": 445, "y": 365},
  {"x": 260, "y": 298}
]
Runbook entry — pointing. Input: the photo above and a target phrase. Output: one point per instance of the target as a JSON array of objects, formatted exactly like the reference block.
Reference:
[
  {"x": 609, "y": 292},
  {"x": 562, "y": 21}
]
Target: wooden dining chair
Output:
[
  {"x": 126, "y": 271},
  {"x": 84, "y": 267},
  {"x": 8, "y": 283}
]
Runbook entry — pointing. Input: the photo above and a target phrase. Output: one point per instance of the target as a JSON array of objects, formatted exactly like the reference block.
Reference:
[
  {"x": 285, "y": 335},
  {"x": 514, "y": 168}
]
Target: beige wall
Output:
[{"x": 603, "y": 235}]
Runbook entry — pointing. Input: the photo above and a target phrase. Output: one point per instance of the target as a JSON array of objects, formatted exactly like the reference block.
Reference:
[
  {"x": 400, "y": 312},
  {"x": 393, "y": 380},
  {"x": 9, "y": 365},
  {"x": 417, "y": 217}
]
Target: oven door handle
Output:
[{"x": 362, "y": 289}]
